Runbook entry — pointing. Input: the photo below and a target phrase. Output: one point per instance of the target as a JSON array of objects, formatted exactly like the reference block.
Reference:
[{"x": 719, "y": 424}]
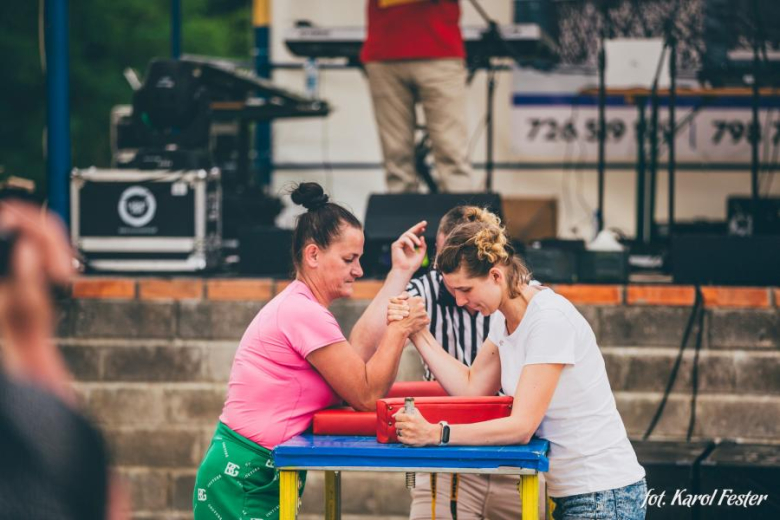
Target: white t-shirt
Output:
[{"x": 589, "y": 447}]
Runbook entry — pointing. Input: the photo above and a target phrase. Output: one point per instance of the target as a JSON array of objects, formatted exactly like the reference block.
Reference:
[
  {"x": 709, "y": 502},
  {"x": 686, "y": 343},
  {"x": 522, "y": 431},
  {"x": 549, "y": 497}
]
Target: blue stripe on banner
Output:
[
  {"x": 584, "y": 100},
  {"x": 588, "y": 100}
]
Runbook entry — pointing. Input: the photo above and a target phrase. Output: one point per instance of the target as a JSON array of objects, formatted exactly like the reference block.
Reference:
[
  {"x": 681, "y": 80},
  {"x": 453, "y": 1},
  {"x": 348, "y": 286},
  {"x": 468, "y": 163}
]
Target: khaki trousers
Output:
[
  {"x": 440, "y": 87},
  {"x": 479, "y": 497}
]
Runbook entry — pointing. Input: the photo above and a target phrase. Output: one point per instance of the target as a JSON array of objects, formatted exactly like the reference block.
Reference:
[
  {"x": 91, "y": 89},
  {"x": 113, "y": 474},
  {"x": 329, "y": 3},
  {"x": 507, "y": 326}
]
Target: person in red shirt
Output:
[{"x": 414, "y": 53}]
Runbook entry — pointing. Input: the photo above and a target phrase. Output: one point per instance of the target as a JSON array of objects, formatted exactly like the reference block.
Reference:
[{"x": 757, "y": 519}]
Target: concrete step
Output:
[
  {"x": 737, "y": 372},
  {"x": 172, "y": 360},
  {"x": 664, "y": 326},
  {"x": 614, "y": 325},
  {"x": 741, "y": 417},
  {"x": 634, "y": 368},
  {"x": 164, "y": 430},
  {"x": 189, "y": 407},
  {"x": 167, "y": 319},
  {"x": 364, "y": 494},
  {"x": 158, "y": 492}
]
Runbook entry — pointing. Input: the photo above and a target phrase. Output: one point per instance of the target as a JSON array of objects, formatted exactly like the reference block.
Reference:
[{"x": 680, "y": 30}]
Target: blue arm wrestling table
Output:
[{"x": 337, "y": 453}]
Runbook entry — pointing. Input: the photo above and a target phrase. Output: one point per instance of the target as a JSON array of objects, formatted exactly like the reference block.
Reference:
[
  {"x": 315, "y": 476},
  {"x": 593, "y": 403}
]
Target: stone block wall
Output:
[{"x": 151, "y": 358}]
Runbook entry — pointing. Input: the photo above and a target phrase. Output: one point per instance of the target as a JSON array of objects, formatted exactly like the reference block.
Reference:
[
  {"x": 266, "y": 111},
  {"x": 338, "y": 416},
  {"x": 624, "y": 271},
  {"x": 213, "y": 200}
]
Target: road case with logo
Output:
[{"x": 147, "y": 220}]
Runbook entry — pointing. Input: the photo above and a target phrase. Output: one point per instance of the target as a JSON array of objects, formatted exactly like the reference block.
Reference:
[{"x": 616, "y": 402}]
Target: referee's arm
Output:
[{"x": 407, "y": 255}]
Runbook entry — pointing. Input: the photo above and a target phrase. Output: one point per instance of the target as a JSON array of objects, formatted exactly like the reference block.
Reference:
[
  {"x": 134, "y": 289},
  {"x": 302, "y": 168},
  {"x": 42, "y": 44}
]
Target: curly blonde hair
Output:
[{"x": 478, "y": 245}]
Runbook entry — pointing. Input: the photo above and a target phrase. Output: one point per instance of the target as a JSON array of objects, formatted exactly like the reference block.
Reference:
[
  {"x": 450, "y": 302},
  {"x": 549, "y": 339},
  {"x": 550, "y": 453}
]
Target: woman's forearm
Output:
[
  {"x": 359, "y": 383},
  {"x": 496, "y": 432},
  {"x": 532, "y": 398},
  {"x": 507, "y": 430},
  {"x": 368, "y": 330},
  {"x": 382, "y": 368},
  {"x": 449, "y": 372}
]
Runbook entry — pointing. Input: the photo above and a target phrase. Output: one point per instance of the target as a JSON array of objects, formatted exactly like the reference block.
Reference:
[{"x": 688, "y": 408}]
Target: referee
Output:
[{"x": 459, "y": 332}]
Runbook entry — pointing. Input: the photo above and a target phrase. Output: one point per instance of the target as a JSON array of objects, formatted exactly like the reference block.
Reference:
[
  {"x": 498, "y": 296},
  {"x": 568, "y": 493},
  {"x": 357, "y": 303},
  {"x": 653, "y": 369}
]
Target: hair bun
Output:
[
  {"x": 489, "y": 236},
  {"x": 310, "y": 195},
  {"x": 483, "y": 215}
]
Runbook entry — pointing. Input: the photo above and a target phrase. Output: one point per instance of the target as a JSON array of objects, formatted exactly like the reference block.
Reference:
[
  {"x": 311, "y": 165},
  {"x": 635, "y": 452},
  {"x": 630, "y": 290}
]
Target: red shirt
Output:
[{"x": 422, "y": 29}]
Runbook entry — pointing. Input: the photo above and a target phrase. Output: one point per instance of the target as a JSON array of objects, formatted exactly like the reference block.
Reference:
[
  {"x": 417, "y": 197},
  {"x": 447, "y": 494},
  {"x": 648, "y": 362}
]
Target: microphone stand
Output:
[
  {"x": 755, "y": 133},
  {"x": 670, "y": 43},
  {"x": 648, "y": 218},
  {"x": 602, "y": 128},
  {"x": 672, "y": 131},
  {"x": 491, "y": 35}
]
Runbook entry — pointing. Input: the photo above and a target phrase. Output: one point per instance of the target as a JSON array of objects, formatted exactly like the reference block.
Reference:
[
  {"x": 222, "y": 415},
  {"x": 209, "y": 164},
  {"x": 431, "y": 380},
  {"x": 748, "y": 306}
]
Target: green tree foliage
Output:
[{"x": 105, "y": 38}]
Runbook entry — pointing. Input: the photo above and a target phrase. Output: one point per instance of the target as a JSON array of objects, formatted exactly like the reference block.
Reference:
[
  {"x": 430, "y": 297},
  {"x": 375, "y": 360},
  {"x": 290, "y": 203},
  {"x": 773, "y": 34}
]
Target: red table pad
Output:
[
  {"x": 454, "y": 410},
  {"x": 344, "y": 421},
  {"x": 347, "y": 421},
  {"x": 416, "y": 389}
]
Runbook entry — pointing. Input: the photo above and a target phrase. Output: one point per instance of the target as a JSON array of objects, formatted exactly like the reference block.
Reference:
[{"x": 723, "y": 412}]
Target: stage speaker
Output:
[
  {"x": 732, "y": 471},
  {"x": 671, "y": 466},
  {"x": 603, "y": 267},
  {"x": 748, "y": 217},
  {"x": 554, "y": 260},
  {"x": 389, "y": 215},
  {"x": 265, "y": 251},
  {"x": 726, "y": 260},
  {"x": 552, "y": 265}
]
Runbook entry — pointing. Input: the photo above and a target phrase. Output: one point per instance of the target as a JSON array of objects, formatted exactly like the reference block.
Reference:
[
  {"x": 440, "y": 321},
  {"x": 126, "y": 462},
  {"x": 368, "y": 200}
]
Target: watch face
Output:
[{"x": 445, "y": 433}]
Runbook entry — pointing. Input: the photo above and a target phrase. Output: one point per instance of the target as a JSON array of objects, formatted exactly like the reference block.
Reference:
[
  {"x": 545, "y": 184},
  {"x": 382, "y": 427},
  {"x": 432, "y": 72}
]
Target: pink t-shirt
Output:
[{"x": 273, "y": 391}]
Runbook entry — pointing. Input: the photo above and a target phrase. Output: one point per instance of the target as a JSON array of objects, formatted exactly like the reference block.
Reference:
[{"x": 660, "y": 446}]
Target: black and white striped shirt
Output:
[{"x": 460, "y": 333}]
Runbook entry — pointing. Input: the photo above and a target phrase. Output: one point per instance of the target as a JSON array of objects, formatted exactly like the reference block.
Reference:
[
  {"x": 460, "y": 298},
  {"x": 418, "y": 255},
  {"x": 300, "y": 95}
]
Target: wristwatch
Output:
[{"x": 445, "y": 433}]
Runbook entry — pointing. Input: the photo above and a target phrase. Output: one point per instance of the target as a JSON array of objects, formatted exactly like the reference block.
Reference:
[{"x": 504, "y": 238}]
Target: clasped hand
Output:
[{"x": 408, "y": 312}]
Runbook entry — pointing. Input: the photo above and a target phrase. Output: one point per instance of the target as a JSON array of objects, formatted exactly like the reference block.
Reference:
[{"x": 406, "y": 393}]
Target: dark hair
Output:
[
  {"x": 480, "y": 244},
  {"x": 322, "y": 222},
  {"x": 451, "y": 220}
]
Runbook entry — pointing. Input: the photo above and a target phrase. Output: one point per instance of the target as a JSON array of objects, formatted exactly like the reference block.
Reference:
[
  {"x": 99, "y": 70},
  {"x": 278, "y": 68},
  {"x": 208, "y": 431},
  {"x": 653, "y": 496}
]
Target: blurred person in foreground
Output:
[{"x": 53, "y": 462}]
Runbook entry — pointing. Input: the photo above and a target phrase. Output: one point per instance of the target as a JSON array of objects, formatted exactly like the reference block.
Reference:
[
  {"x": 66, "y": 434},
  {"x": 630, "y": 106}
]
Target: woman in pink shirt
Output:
[{"x": 293, "y": 360}]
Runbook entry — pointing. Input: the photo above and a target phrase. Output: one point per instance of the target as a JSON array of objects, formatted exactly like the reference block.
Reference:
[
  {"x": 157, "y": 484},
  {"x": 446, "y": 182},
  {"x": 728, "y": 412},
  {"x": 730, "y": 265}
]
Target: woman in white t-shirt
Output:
[{"x": 543, "y": 352}]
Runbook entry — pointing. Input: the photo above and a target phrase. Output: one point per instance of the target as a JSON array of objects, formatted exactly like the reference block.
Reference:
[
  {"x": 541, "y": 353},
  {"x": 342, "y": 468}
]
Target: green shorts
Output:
[{"x": 237, "y": 480}]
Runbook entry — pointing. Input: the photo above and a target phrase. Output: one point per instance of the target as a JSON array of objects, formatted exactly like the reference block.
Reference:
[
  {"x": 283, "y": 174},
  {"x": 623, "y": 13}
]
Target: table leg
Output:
[
  {"x": 332, "y": 495},
  {"x": 550, "y": 507},
  {"x": 530, "y": 496},
  {"x": 288, "y": 495}
]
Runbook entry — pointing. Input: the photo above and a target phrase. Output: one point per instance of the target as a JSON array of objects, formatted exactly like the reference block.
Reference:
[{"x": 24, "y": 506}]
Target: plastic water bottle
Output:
[
  {"x": 409, "y": 409},
  {"x": 311, "y": 73}
]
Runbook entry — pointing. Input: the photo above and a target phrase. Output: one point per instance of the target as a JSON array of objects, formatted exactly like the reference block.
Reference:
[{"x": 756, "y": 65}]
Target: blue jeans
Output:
[{"x": 626, "y": 503}]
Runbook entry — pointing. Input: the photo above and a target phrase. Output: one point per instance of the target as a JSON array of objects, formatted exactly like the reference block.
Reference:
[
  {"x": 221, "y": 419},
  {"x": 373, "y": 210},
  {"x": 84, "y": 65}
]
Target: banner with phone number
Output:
[{"x": 563, "y": 128}]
